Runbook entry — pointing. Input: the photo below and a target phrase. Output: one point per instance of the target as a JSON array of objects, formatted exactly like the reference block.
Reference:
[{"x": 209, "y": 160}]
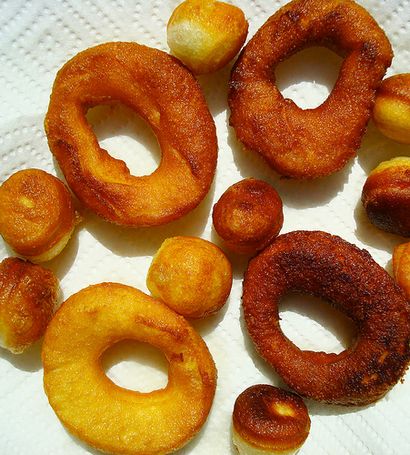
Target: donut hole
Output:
[
  {"x": 313, "y": 324},
  {"x": 136, "y": 366},
  {"x": 308, "y": 77},
  {"x": 126, "y": 136}
]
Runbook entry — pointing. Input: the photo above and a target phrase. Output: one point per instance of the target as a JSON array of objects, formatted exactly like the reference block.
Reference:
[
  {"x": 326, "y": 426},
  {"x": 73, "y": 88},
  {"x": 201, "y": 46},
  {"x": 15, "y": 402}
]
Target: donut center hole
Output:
[
  {"x": 308, "y": 77},
  {"x": 136, "y": 366},
  {"x": 315, "y": 325},
  {"x": 126, "y": 136}
]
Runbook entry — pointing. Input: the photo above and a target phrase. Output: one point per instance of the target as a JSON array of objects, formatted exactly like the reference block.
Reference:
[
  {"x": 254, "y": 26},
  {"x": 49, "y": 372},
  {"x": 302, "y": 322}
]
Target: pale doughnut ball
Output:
[
  {"x": 206, "y": 34},
  {"x": 192, "y": 276}
]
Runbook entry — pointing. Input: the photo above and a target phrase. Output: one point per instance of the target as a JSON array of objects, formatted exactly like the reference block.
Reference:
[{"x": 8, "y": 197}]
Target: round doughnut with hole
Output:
[
  {"x": 328, "y": 267},
  {"x": 166, "y": 95},
  {"x": 106, "y": 416},
  {"x": 309, "y": 143}
]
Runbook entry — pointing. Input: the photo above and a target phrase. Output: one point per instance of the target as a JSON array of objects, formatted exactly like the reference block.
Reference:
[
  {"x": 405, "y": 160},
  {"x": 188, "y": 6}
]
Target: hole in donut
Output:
[
  {"x": 136, "y": 366},
  {"x": 314, "y": 325},
  {"x": 126, "y": 136},
  {"x": 308, "y": 77}
]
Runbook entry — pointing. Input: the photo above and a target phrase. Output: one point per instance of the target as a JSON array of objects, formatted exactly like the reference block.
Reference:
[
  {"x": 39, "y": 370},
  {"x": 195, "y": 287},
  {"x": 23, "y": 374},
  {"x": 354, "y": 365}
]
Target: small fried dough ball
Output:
[
  {"x": 192, "y": 276},
  {"x": 268, "y": 420},
  {"x": 205, "y": 34},
  {"x": 386, "y": 196},
  {"x": 28, "y": 295},
  {"x": 401, "y": 267},
  {"x": 37, "y": 214},
  {"x": 391, "y": 112},
  {"x": 248, "y": 216}
]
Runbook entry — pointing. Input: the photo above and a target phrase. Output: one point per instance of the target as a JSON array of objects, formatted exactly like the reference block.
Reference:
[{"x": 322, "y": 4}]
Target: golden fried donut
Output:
[
  {"x": 248, "y": 216},
  {"x": 391, "y": 112},
  {"x": 206, "y": 34},
  {"x": 268, "y": 420},
  {"x": 106, "y": 416},
  {"x": 38, "y": 217},
  {"x": 326, "y": 266},
  {"x": 386, "y": 196},
  {"x": 28, "y": 295},
  {"x": 313, "y": 142},
  {"x": 191, "y": 275},
  {"x": 165, "y": 94},
  {"x": 401, "y": 267}
]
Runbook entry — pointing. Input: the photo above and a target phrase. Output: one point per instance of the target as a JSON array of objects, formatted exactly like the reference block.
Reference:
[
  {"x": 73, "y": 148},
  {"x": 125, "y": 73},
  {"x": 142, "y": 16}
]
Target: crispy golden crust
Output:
[
  {"x": 328, "y": 267},
  {"x": 190, "y": 275},
  {"x": 270, "y": 419},
  {"x": 38, "y": 216},
  {"x": 391, "y": 112},
  {"x": 401, "y": 267},
  {"x": 386, "y": 196},
  {"x": 104, "y": 415},
  {"x": 28, "y": 295},
  {"x": 162, "y": 92},
  {"x": 248, "y": 215},
  {"x": 206, "y": 34},
  {"x": 315, "y": 142}
]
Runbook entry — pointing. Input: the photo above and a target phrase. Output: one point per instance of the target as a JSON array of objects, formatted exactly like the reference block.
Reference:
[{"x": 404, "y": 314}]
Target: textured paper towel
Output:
[{"x": 37, "y": 37}]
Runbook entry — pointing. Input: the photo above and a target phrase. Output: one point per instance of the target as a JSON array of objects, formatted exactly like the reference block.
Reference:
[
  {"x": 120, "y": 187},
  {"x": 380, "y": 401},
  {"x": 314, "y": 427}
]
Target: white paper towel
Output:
[{"x": 37, "y": 37}]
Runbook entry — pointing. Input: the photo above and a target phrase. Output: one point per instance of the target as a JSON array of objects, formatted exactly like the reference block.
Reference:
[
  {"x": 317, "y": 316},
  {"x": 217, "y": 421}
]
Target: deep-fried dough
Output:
[
  {"x": 37, "y": 214},
  {"x": 206, "y": 34},
  {"x": 401, "y": 267},
  {"x": 28, "y": 295},
  {"x": 337, "y": 271},
  {"x": 248, "y": 216},
  {"x": 190, "y": 275},
  {"x": 391, "y": 112},
  {"x": 165, "y": 94},
  {"x": 267, "y": 420},
  {"x": 106, "y": 416},
  {"x": 314, "y": 142},
  {"x": 386, "y": 196}
]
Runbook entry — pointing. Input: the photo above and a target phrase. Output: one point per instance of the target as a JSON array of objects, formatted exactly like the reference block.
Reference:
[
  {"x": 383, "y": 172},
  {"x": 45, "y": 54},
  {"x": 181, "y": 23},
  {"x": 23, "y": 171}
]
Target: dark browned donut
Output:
[
  {"x": 328, "y": 267},
  {"x": 313, "y": 142}
]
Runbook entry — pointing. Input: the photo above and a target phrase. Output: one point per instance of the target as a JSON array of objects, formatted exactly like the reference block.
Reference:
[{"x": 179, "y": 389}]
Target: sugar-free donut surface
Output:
[
  {"x": 267, "y": 420},
  {"x": 165, "y": 94},
  {"x": 326, "y": 266},
  {"x": 28, "y": 296},
  {"x": 248, "y": 215},
  {"x": 37, "y": 214},
  {"x": 313, "y": 142},
  {"x": 386, "y": 196},
  {"x": 391, "y": 112},
  {"x": 104, "y": 415},
  {"x": 190, "y": 275}
]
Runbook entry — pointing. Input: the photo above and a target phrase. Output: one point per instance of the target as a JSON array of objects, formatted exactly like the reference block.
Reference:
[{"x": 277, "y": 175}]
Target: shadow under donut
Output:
[
  {"x": 294, "y": 193},
  {"x": 372, "y": 236},
  {"x": 29, "y": 360},
  {"x": 130, "y": 242},
  {"x": 377, "y": 148}
]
